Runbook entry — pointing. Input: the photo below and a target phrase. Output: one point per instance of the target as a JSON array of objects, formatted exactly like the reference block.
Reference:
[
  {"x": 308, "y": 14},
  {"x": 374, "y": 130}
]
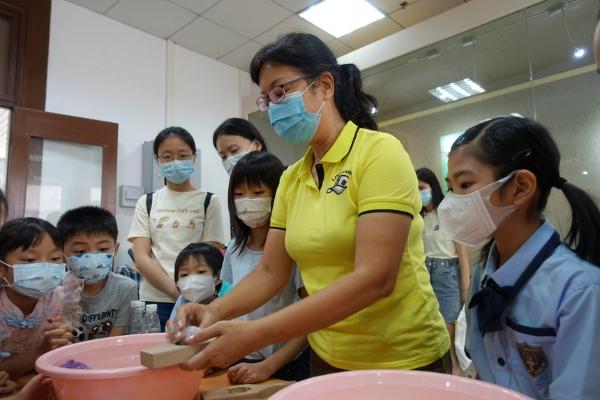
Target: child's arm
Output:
[
  {"x": 151, "y": 270},
  {"x": 38, "y": 388},
  {"x": 245, "y": 373},
  {"x": 465, "y": 270}
]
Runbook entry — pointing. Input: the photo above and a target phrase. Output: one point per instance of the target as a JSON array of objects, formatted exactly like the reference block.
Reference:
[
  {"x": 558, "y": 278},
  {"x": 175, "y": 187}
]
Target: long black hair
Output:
[
  {"x": 239, "y": 127},
  {"x": 178, "y": 131},
  {"x": 22, "y": 233},
  {"x": 426, "y": 175},
  {"x": 253, "y": 169},
  {"x": 512, "y": 143},
  {"x": 310, "y": 55}
]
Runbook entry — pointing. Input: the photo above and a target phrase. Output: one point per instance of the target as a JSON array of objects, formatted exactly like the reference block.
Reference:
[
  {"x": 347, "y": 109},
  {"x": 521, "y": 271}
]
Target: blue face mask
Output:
[
  {"x": 177, "y": 171},
  {"x": 91, "y": 267},
  {"x": 291, "y": 121},
  {"x": 426, "y": 197},
  {"x": 36, "y": 279}
]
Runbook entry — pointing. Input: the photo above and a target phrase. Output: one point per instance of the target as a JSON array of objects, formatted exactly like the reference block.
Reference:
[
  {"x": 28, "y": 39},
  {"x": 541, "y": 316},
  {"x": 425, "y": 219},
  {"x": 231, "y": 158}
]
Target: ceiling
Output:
[
  {"x": 232, "y": 31},
  {"x": 503, "y": 53}
]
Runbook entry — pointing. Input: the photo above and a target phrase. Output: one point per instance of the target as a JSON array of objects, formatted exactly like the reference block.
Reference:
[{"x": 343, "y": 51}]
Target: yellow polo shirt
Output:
[{"x": 364, "y": 171}]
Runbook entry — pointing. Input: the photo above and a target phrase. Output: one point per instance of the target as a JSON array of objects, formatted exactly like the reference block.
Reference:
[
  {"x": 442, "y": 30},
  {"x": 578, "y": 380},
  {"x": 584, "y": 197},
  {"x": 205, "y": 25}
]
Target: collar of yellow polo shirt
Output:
[{"x": 364, "y": 171}]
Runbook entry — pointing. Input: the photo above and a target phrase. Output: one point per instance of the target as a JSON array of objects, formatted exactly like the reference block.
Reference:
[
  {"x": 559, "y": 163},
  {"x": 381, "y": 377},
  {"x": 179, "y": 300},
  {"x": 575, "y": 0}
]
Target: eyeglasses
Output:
[
  {"x": 181, "y": 157},
  {"x": 276, "y": 94}
]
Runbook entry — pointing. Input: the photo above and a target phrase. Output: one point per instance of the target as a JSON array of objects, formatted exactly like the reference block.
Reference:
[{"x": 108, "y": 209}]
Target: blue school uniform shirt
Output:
[{"x": 549, "y": 347}]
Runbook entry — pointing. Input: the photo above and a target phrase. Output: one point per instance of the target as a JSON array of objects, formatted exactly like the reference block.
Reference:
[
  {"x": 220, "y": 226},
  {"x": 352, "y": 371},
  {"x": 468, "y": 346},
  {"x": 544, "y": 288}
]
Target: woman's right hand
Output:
[{"x": 191, "y": 314}]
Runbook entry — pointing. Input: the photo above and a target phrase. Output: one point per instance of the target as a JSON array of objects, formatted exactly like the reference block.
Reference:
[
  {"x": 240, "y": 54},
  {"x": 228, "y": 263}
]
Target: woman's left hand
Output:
[{"x": 233, "y": 340}]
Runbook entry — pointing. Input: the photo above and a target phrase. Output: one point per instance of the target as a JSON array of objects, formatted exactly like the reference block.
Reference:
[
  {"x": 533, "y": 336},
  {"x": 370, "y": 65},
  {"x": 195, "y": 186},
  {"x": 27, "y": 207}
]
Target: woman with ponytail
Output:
[
  {"x": 534, "y": 310},
  {"x": 348, "y": 214}
]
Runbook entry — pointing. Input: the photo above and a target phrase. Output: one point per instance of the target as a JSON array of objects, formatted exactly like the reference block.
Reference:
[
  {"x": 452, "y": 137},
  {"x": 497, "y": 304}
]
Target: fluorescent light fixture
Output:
[
  {"x": 585, "y": 172},
  {"x": 340, "y": 17},
  {"x": 456, "y": 90},
  {"x": 579, "y": 52}
]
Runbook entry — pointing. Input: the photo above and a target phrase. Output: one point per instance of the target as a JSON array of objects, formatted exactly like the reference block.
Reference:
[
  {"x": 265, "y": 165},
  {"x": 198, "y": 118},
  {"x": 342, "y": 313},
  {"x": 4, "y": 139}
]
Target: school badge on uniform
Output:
[{"x": 533, "y": 358}]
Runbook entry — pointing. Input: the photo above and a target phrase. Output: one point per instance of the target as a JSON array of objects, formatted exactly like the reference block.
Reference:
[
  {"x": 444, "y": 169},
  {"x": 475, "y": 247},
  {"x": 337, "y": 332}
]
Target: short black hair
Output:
[
  {"x": 24, "y": 233},
  {"x": 90, "y": 220},
  {"x": 239, "y": 127},
  {"x": 201, "y": 252},
  {"x": 426, "y": 175},
  {"x": 178, "y": 131}
]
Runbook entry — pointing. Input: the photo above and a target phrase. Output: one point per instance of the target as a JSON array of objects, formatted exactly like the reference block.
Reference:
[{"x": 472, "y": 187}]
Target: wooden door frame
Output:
[
  {"x": 30, "y": 39},
  {"x": 29, "y": 123}
]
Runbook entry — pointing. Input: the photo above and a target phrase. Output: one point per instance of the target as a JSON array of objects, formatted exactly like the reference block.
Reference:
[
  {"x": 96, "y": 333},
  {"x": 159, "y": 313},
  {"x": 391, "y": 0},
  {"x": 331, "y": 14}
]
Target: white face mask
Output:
[
  {"x": 233, "y": 159},
  {"x": 253, "y": 211},
  {"x": 196, "y": 288},
  {"x": 471, "y": 218}
]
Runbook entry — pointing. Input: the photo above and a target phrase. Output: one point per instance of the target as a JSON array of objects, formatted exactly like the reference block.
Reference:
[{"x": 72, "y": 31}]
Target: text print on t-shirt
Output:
[{"x": 183, "y": 218}]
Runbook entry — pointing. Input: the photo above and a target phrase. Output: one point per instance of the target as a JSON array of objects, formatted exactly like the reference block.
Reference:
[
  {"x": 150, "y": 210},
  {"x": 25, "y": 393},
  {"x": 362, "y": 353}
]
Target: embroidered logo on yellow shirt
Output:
[{"x": 341, "y": 182}]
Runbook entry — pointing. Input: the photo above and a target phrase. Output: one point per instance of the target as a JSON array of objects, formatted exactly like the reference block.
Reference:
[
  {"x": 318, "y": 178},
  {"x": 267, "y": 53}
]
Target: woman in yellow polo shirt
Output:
[{"x": 348, "y": 213}]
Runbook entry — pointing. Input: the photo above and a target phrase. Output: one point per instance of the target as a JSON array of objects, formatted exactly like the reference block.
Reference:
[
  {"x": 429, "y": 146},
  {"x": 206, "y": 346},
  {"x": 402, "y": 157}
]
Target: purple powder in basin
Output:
[{"x": 74, "y": 364}]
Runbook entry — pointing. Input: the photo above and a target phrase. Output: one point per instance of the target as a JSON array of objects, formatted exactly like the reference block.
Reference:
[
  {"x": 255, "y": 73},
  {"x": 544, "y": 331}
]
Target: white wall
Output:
[{"x": 102, "y": 69}]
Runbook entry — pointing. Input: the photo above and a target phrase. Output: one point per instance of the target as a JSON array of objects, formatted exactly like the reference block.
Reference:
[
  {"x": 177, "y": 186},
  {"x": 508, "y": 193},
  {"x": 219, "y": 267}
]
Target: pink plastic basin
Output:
[
  {"x": 394, "y": 385},
  {"x": 116, "y": 371}
]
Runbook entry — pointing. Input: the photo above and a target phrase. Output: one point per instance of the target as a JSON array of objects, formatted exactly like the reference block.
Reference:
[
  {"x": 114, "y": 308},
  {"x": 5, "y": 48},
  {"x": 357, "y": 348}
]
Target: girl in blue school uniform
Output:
[{"x": 534, "y": 310}]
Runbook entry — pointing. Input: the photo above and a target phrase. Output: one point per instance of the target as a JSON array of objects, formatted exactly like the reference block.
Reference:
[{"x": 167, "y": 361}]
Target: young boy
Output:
[
  {"x": 90, "y": 237},
  {"x": 197, "y": 270}
]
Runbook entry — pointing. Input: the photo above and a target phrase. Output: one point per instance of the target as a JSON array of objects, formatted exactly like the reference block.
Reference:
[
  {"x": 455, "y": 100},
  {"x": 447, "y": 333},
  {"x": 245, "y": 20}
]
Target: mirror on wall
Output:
[{"x": 535, "y": 63}]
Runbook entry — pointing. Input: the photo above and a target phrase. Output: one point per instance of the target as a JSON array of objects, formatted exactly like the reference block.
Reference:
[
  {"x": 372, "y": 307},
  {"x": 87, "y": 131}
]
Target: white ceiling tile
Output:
[
  {"x": 248, "y": 18},
  {"x": 197, "y": 6},
  {"x": 158, "y": 17},
  {"x": 370, "y": 33},
  {"x": 293, "y": 24},
  {"x": 388, "y": 6},
  {"x": 422, "y": 10},
  {"x": 100, "y": 6},
  {"x": 208, "y": 38},
  {"x": 241, "y": 57},
  {"x": 339, "y": 48},
  {"x": 296, "y": 5}
]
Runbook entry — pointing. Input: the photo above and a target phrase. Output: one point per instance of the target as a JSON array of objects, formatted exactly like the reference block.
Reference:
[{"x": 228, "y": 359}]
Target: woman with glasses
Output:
[
  {"x": 348, "y": 213},
  {"x": 169, "y": 219}
]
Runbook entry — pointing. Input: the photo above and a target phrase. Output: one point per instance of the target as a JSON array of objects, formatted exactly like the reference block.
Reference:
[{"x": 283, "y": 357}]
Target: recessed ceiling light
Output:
[
  {"x": 585, "y": 172},
  {"x": 579, "y": 52},
  {"x": 340, "y": 17},
  {"x": 457, "y": 90}
]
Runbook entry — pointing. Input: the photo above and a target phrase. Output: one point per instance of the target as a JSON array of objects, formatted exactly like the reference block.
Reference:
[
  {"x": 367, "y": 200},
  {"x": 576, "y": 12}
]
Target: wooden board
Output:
[{"x": 169, "y": 354}]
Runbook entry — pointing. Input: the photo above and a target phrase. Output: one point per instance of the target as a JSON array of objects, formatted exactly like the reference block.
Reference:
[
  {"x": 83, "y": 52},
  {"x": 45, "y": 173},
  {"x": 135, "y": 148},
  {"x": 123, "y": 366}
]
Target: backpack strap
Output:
[
  {"x": 207, "y": 202},
  {"x": 149, "y": 202}
]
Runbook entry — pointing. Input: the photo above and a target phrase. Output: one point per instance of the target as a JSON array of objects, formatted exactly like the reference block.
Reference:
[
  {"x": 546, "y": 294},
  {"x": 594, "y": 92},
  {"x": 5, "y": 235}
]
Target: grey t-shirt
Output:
[{"x": 108, "y": 308}]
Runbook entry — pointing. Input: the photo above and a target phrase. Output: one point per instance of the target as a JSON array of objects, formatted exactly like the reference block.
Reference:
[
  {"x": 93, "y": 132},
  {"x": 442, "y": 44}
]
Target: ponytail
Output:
[
  {"x": 511, "y": 143},
  {"x": 354, "y": 104},
  {"x": 310, "y": 55},
  {"x": 585, "y": 223}
]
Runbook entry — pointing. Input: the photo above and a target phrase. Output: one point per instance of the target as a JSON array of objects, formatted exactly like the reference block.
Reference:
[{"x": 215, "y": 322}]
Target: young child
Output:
[
  {"x": 197, "y": 269},
  {"x": 90, "y": 237},
  {"x": 252, "y": 188},
  {"x": 534, "y": 313},
  {"x": 31, "y": 271}
]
